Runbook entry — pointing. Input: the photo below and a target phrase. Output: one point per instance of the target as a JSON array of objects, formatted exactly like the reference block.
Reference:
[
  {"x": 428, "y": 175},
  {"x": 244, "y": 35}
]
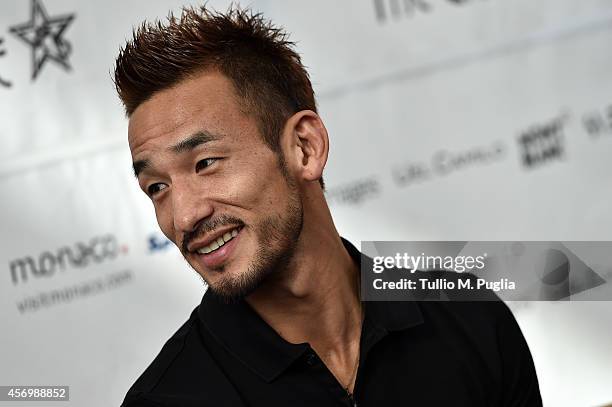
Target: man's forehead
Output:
[
  {"x": 207, "y": 99},
  {"x": 163, "y": 113},
  {"x": 146, "y": 126}
]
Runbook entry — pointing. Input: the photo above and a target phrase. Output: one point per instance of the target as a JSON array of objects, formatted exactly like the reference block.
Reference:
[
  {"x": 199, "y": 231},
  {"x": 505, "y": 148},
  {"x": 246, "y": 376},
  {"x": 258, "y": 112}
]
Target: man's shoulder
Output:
[
  {"x": 467, "y": 304},
  {"x": 486, "y": 328},
  {"x": 477, "y": 319},
  {"x": 185, "y": 373},
  {"x": 476, "y": 333},
  {"x": 161, "y": 364}
]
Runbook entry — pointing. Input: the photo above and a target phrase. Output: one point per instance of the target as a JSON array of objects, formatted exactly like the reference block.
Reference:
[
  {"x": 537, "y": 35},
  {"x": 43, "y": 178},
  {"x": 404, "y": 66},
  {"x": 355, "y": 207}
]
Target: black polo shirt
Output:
[{"x": 412, "y": 354}]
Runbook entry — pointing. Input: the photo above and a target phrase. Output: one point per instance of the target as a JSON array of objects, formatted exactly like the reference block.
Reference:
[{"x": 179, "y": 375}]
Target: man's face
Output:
[{"x": 218, "y": 190}]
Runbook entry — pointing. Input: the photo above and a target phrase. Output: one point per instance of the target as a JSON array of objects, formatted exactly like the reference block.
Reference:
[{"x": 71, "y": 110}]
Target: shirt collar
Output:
[{"x": 246, "y": 336}]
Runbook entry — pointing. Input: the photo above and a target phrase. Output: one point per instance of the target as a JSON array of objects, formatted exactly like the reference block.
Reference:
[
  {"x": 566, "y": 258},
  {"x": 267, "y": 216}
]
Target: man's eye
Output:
[
  {"x": 155, "y": 188},
  {"x": 204, "y": 163}
]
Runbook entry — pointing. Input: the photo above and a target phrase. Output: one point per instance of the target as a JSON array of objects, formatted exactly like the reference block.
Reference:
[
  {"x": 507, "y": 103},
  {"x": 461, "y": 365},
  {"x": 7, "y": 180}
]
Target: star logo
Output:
[
  {"x": 44, "y": 35},
  {"x": 3, "y": 82}
]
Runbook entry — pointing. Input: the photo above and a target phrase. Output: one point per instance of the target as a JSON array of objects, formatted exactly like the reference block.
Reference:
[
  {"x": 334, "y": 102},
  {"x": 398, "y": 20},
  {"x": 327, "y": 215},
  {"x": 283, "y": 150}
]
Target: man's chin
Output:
[
  {"x": 230, "y": 294},
  {"x": 231, "y": 288},
  {"x": 226, "y": 298}
]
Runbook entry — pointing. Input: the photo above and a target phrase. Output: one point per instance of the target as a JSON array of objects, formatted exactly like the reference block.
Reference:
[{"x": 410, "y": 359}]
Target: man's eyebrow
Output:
[
  {"x": 193, "y": 141},
  {"x": 182, "y": 146},
  {"x": 139, "y": 166}
]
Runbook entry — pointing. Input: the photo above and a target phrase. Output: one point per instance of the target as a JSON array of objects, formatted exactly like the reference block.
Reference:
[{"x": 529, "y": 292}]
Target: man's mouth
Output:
[{"x": 220, "y": 241}]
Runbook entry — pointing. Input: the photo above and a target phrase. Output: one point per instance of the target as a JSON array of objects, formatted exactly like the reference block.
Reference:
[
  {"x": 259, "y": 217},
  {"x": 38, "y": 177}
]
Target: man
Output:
[{"x": 227, "y": 143}]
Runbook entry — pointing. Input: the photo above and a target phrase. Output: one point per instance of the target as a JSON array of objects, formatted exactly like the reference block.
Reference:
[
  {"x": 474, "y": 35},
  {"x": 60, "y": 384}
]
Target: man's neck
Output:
[
  {"x": 320, "y": 285},
  {"x": 316, "y": 300}
]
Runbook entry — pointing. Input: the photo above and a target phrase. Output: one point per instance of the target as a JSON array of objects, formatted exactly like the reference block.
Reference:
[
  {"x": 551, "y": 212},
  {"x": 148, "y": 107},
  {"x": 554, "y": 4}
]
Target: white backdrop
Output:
[{"x": 449, "y": 120}]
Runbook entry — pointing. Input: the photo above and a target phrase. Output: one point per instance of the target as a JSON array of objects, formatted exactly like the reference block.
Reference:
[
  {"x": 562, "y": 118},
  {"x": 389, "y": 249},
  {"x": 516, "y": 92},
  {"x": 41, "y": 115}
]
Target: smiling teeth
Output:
[{"x": 219, "y": 242}]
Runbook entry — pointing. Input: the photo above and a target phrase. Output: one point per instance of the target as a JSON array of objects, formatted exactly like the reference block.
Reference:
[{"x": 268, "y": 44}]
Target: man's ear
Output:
[{"x": 306, "y": 145}]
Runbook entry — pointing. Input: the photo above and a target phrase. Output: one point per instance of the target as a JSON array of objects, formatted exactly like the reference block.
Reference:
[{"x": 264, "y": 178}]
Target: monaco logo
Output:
[{"x": 80, "y": 255}]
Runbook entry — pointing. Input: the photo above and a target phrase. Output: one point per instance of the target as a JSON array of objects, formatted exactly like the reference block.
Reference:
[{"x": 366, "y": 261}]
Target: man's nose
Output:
[{"x": 190, "y": 206}]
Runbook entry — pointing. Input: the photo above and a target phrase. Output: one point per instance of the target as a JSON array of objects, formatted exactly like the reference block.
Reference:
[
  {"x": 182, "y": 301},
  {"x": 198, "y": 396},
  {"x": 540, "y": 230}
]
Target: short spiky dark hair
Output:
[{"x": 256, "y": 56}]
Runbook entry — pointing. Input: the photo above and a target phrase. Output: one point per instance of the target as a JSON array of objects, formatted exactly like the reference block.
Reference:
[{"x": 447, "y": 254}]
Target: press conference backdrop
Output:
[{"x": 448, "y": 120}]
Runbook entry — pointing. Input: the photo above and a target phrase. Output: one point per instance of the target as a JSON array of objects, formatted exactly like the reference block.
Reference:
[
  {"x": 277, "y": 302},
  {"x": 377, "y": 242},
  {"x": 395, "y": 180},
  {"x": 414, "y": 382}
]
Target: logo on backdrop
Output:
[
  {"x": 396, "y": 9},
  {"x": 598, "y": 123},
  {"x": 158, "y": 243},
  {"x": 80, "y": 255},
  {"x": 543, "y": 142},
  {"x": 444, "y": 162},
  {"x": 354, "y": 192},
  {"x": 3, "y": 82},
  {"x": 45, "y": 36}
]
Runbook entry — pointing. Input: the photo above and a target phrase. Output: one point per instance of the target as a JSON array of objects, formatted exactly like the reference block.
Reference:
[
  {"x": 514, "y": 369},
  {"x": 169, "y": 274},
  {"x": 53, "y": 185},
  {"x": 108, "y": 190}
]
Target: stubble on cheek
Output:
[{"x": 273, "y": 243}]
